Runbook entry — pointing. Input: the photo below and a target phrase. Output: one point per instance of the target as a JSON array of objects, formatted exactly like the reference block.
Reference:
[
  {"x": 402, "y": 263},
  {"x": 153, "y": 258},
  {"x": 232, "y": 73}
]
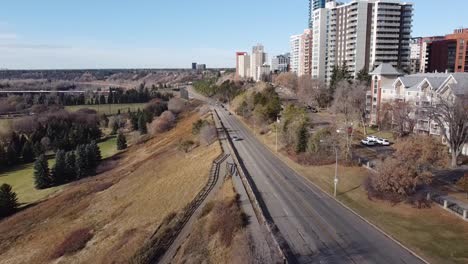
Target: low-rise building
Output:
[
  {"x": 280, "y": 63},
  {"x": 420, "y": 90}
]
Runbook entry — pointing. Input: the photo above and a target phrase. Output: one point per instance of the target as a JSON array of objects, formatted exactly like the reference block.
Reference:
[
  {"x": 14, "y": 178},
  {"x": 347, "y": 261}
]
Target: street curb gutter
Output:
[
  {"x": 345, "y": 206},
  {"x": 250, "y": 193}
]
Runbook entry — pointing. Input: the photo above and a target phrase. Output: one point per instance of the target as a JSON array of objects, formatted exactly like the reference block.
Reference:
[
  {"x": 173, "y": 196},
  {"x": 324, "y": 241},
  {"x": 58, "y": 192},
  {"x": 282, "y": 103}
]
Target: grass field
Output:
[
  {"x": 108, "y": 109},
  {"x": 122, "y": 207},
  {"x": 438, "y": 236},
  {"x": 22, "y": 181}
]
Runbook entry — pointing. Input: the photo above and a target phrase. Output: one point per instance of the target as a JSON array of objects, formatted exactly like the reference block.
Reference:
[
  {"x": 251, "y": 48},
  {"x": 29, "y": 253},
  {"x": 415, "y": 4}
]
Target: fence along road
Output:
[{"x": 317, "y": 228}]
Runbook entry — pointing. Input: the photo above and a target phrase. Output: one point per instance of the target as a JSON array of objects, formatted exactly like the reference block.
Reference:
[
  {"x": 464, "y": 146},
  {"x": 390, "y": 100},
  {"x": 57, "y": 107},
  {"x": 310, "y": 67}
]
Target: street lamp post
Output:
[{"x": 335, "y": 180}]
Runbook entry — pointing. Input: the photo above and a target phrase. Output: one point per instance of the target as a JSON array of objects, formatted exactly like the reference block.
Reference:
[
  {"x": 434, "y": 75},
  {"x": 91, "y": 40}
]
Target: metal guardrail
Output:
[{"x": 448, "y": 205}]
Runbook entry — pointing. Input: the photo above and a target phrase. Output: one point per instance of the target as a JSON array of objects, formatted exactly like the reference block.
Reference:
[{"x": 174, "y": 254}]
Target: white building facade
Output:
[
  {"x": 361, "y": 34},
  {"x": 257, "y": 60}
]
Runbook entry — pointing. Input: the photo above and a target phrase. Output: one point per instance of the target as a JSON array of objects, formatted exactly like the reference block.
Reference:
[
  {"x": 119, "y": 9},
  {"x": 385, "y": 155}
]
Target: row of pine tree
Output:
[{"x": 69, "y": 166}]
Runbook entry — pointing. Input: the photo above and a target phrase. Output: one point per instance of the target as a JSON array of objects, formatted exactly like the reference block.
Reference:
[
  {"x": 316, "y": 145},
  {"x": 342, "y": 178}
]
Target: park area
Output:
[{"x": 22, "y": 180}]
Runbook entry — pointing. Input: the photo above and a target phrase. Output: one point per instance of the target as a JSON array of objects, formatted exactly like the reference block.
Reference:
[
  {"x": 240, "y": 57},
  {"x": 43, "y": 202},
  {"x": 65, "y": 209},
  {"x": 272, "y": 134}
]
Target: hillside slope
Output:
[{"x": 107, "y": 218}]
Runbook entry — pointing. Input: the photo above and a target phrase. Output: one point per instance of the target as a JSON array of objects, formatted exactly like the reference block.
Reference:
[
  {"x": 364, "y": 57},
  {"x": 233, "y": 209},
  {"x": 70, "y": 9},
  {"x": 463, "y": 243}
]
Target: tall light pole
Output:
[
  {"x": 276, "y": 126},
  {"x": 335, "y": 180}
]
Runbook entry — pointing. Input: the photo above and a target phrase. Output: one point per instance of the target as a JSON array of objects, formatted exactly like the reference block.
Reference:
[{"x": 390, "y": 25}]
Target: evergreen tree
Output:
[
  {"x": 102, "y": 99},
  {"x": 142, "y": 124},
  {"x": 97, "y": 151},
  {"x": 38, "y": 149},
  {"x": 70, "y": 173},
  {"x": 115, "y": 128},
  {"x": 81, "y": 162},
  {"x": 8, "y": 201},
  {"x": 3, "y": 158},
  {"x": 363, "y": 76},
  {"x": 41, "y": 173},
  {"x": 134, "y": 120},
  {"x": 302, "y": 139},
  {"x": 11, "y": 154},
  {"x": 59, "y": 171},
  {"x": 121, "y": 141},
  {"x": 91, "y": 160},
  {"x": 27, "y": 152}
]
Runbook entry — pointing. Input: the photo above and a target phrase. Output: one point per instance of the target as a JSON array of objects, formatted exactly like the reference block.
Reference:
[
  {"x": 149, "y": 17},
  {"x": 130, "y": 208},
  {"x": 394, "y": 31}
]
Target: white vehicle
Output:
[
  {"x": 372, "y": 138},
  {"x": 368, "y": 142},
  {"x": 383, "y": 142},
  {"x": 235, "y": 138}
]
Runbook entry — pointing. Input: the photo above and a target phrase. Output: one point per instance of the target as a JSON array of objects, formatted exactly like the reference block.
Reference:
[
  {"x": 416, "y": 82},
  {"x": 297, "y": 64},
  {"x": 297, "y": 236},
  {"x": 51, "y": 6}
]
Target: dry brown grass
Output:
[
  {"x": 218, "y": 235},
  {"x": 122, "y": 206}
]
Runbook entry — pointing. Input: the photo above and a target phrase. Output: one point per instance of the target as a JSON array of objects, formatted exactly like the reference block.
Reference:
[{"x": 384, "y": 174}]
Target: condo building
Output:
[
  {"x": 242, "y": 65},
  {"x": 295, "y": 42},
  {"x": 280, "y": 63},
  {"x": 301, "y": 53},
  {"x": 449, "y": 54},
  {"x": 361, "y": 34},
  {"x": 257, "y": 61}
]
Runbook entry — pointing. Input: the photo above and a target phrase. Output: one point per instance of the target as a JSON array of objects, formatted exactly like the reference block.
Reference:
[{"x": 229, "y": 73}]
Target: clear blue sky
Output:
[{"x": 167, "y": 33}]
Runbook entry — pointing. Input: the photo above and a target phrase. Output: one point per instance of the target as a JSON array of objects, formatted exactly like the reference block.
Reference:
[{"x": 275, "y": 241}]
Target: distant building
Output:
[
  {"x": 280, "y": 63},
  {"x": 295, "y": 42},
  {"x": 415, "y": 55},
  {"x": 314, "y": 5},
  {"x": 301, "y": 53},
  {"x": 194, "y": 65},
  {"x": 201, "y": 67},
  {"x": 449, "y": 54},
  {"x": 424, "y": 44},
  {"x": 305, "y": 54},
  {"x": 263, "y": 73},
  {"x": 257, "y": 60},
  {"x": 243, "y": 65},
  {"x": 362, "y": 35}
]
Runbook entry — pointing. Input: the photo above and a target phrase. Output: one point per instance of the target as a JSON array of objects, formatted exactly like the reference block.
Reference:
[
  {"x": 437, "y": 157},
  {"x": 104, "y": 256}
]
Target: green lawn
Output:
[
  {"x": 108, "y": 109},
  {"x": 21, "y": 177}
]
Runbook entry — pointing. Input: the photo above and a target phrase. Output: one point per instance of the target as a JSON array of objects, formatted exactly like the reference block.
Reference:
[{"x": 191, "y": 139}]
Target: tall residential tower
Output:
[{"x": 361, "y": 34}]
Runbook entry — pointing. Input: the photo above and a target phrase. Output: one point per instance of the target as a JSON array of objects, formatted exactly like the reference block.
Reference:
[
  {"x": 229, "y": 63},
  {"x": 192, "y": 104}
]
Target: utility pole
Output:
[{"x": 276, "y": 126}]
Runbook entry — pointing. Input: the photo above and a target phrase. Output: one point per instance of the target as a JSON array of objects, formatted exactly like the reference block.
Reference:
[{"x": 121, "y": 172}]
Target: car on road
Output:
[
  {"x": 372, "y": 138},
  {"x": 235, "y": 138},
  {"x": 383, "y": 142},
  {"x": 368, "y": 142}
]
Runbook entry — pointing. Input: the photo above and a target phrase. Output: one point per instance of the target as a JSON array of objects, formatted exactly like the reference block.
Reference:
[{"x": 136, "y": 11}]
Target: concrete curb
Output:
[{"x": 342, "y": 204}]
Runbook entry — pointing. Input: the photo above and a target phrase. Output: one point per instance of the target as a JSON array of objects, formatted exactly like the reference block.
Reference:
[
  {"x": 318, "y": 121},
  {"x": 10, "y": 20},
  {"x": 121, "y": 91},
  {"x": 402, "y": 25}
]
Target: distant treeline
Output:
[{"x": 53, "y": 130}]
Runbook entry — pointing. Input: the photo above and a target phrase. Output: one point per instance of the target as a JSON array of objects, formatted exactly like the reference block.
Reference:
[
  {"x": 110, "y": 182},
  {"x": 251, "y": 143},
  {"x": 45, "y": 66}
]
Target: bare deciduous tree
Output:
[
  {"x": 288, "y": 80},
  {"x": 176, "y": 105},
  {"x": 399, "y": 117},
  {"x": 451, "y": 114},
  {"x": 349, "y": 106},
  {"x": 208, "y": 134},
  {"x": 162, "y": 123},
  {"x": 312, "y": 92}
]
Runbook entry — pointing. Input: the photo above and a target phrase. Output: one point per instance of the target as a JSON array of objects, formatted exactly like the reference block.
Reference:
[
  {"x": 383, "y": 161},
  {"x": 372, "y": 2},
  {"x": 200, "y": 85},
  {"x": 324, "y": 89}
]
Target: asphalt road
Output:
[{"x": 317, "y": 228}]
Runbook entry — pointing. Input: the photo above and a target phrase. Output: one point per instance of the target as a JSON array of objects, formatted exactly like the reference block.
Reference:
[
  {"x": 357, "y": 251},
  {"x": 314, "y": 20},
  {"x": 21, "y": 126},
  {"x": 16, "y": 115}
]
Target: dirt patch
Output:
[{"x": 73, "y": 243}]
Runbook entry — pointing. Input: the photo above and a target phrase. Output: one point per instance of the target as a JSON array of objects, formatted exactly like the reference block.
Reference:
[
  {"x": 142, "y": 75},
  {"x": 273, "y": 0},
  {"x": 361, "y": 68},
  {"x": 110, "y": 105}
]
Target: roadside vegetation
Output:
[
  {"x": 393, "y": 196},
  {"x": 219, "y": 235}
]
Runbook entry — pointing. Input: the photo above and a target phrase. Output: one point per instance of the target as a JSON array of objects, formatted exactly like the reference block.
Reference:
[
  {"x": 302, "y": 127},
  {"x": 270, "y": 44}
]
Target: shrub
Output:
[
  {"x": 185, "y": 145},
  {"x": 208, "y": 134},
  {"x": 176, "y": 105},
  {"x": 73, "y": 243},
  {"x": 197, "y": 126},
  {"x": 163, "y": 123},
  {"x": 8, "y": 201}
]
